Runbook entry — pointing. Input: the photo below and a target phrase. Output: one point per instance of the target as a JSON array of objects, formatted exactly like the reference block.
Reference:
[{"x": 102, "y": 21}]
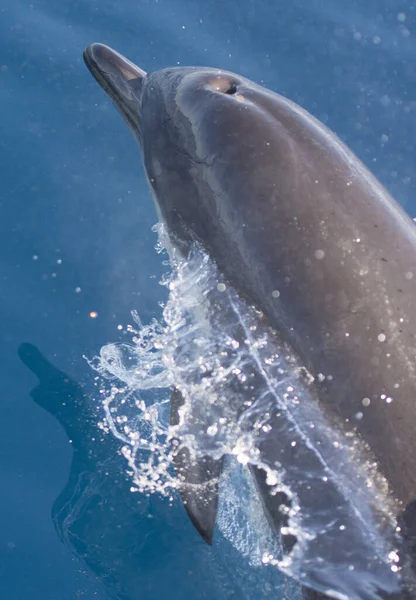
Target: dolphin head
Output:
[{"x": 195, "y": 126}]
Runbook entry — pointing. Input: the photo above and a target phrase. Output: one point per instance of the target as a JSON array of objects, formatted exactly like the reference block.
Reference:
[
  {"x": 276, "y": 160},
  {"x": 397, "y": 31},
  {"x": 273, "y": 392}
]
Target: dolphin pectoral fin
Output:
[
  {"x": 199, "y": 490},
  {"x": 199, "y": 478}
]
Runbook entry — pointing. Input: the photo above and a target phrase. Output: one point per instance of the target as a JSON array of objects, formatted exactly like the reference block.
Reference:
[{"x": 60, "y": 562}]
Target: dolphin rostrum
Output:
[{"x": 305, "y": 233}]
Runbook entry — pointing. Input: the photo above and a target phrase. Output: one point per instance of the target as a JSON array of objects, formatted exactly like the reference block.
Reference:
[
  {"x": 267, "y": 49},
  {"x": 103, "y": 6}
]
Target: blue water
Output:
[{"x": 75, "y": 223}]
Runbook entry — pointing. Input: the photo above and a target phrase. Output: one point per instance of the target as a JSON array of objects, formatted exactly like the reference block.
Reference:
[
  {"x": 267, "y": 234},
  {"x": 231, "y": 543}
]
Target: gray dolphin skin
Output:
[{"x": 305, "y": 233}]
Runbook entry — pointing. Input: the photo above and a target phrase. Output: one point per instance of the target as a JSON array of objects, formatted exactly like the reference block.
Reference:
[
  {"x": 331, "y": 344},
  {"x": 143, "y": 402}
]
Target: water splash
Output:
[{"x": 245, "y": 394}]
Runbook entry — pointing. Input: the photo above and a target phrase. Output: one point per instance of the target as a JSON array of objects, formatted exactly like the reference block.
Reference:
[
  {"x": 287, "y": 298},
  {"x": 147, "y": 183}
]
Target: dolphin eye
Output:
[
  {"x": 224, "y": 86},
  {"x": 232, "y": 89}
]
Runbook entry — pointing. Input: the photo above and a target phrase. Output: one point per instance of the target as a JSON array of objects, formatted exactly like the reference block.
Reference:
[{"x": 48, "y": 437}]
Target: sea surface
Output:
[{"x": 77, "y": 256}]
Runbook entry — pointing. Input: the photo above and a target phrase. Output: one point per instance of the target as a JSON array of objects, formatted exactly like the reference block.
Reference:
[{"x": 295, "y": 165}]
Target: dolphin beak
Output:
[{"x": 121, "y": 79}]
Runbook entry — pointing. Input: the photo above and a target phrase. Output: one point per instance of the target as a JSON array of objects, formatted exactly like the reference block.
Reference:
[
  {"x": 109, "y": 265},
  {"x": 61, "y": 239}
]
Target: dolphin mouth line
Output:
[{"x": 93, "y": 68}]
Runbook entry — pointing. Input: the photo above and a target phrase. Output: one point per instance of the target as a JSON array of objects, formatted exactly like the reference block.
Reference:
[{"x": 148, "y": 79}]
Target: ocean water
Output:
[{"x": 77, "y": 255}]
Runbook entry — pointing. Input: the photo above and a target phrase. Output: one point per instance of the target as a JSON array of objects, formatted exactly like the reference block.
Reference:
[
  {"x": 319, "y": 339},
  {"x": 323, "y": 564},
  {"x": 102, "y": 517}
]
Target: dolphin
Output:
[{"x": 305, "y": 233}]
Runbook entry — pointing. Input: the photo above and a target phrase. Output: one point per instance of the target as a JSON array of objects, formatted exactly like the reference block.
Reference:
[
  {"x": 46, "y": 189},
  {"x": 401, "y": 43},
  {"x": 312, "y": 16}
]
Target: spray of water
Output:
[{"x": 244, "y": 391}]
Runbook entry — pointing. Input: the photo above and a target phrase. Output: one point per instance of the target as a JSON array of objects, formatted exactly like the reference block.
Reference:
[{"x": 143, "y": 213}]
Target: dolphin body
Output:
[{"x": 302, "y": 230}]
